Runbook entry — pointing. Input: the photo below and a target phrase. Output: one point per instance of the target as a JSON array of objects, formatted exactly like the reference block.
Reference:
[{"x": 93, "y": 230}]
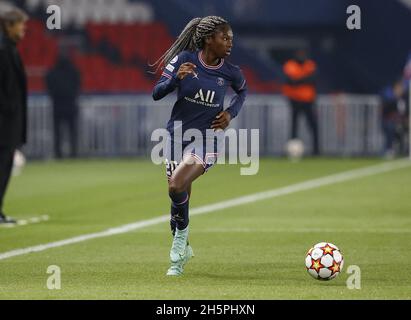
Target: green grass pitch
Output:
[{"x": 253, "y": 251}]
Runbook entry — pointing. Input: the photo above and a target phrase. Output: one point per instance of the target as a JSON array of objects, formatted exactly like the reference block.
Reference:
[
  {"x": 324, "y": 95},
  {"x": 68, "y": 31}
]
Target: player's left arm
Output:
[{"x": 239, "y": 85}]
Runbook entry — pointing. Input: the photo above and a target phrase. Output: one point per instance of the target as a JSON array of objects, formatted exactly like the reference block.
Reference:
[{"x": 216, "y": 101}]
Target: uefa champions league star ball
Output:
[
  {"x": 295, "y": 149},
  {"x": 324, "y": 261}
]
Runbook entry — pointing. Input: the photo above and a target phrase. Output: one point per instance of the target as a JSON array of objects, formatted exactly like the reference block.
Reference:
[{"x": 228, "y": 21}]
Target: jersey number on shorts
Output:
[{"x": 170, "y": 167}]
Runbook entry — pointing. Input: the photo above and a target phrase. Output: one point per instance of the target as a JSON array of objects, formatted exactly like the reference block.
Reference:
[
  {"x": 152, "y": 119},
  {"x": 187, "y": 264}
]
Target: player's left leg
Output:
[
  {"x": 313, "y": 125},
  {"x": 295, "y": 110},
  {"x": 72, "y": 125}
]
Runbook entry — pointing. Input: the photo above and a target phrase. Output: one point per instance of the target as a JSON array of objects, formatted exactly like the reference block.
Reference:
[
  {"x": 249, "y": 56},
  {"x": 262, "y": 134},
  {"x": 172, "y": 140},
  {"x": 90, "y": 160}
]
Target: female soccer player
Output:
[{"x": 195, "y": 64}]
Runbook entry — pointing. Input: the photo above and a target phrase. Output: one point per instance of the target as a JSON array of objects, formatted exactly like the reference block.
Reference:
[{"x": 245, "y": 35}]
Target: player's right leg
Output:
[
  {"x": 179, "y": 185},
  {"x": 313, "y": 125}
]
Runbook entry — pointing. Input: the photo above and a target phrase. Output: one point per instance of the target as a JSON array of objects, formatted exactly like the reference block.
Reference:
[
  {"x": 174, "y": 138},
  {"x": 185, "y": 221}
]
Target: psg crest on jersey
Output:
[{"x": 220, "y": 81}]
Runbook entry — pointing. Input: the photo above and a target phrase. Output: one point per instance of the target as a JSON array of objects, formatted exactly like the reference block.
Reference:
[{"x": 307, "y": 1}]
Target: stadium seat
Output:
[{"x": 122, "y": 38}]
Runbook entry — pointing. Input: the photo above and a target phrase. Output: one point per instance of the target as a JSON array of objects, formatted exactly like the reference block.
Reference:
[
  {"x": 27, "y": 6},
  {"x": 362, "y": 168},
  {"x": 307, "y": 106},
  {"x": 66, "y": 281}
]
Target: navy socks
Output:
[{"x": 179, "y": 211}]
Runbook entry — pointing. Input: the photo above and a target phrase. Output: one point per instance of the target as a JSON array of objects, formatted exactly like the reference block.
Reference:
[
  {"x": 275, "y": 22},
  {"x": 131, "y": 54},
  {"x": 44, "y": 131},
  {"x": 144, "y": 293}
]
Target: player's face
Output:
[
  {"x": 17, "y": 30},
  {"x": 222, "y": 42}
]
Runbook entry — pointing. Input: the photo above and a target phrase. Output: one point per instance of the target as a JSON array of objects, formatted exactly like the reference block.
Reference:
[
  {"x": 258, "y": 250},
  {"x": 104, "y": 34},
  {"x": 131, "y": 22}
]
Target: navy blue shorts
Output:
[{"x": 205, "y": 152}]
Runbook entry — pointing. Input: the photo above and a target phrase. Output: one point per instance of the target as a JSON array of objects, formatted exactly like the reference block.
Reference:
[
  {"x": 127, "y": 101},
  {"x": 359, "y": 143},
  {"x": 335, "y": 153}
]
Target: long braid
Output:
[{"x": 191, "y": 38}]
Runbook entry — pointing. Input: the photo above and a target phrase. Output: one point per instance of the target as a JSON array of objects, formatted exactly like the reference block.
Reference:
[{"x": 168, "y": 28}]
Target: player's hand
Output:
[
  {"x": 222, "y": 120},
  {"x": 185, "y": 69}
]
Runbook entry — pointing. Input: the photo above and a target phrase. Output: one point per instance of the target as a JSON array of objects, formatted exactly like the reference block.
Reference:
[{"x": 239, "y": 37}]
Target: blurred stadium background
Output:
[{"x": 111, "y": 43}]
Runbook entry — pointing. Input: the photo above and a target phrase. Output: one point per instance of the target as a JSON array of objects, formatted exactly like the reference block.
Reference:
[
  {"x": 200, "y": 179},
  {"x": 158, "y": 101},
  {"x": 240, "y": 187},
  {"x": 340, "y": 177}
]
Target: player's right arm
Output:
[{"x": 170, "y": 79}]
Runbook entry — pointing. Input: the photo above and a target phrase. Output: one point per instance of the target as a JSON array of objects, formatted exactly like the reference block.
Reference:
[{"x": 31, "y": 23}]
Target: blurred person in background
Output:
[
  {"x": 13, "y": 95},
  {"x": 63, "y": 84},
  {"x": 300, "y": 89},
  {"x": 394, "y": 119}
]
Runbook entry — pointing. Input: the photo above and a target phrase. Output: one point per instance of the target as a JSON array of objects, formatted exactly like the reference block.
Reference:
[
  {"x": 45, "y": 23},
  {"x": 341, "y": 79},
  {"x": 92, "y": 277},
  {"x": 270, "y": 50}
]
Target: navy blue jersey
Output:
[{"x": 200, "y": 97}]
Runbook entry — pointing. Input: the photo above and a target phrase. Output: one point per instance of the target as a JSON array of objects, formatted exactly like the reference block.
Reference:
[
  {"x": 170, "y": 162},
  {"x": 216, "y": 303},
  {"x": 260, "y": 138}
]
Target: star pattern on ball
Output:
[
  {"x": 334, "y": 268},
  {"x": 316, "y": 264},
  {"x": 328, "y": 250}
]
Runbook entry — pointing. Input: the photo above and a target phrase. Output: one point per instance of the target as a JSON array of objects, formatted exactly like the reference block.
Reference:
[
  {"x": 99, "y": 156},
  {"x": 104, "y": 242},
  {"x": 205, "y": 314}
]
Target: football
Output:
[
  {"x": 324, "y": 261},
  {"x": 295, "y": 149}
]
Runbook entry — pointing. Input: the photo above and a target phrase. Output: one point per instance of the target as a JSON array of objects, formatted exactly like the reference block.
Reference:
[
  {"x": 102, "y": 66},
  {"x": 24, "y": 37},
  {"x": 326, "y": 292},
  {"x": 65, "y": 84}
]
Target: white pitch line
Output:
[{"x": 307, "y": 185}]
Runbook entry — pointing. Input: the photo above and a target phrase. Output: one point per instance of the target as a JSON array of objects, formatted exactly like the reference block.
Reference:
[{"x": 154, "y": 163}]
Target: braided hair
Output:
[{"x": 191, "y": 38}]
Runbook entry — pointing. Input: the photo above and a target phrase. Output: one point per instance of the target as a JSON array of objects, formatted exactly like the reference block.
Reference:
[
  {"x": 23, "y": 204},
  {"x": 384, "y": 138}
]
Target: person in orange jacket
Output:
[{"x": 300, "y": 89}]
